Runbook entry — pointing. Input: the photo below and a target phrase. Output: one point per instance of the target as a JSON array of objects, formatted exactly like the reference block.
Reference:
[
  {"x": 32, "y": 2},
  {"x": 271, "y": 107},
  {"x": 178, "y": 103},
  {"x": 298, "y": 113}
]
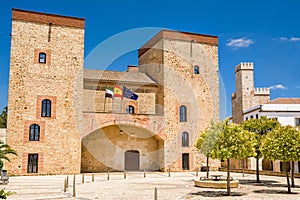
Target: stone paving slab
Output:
[{"x": 135, "y": 187}]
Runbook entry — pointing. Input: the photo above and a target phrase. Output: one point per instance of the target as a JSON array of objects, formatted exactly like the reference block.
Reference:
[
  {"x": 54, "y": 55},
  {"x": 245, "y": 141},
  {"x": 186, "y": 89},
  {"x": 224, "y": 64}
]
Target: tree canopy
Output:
[
  {"x": 3, "y": 118},
  {"x": 260, "y": 126},
  {"x": 283, "y": 144}
]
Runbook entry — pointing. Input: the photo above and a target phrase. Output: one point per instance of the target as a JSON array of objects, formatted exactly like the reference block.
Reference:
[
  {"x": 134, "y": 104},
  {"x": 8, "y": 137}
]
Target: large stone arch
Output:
[{"x": 104, "y": 148}]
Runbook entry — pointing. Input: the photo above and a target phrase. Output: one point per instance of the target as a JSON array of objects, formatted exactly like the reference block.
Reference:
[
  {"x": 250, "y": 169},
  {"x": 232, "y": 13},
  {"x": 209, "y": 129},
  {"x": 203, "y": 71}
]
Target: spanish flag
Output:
[{"x": 118, "y": 92}]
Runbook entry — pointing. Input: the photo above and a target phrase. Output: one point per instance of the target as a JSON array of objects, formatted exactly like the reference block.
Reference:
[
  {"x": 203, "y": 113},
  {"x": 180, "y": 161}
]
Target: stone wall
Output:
[
  {"x": 174, "y": 72},
  {"x": 59, "y": 152}
]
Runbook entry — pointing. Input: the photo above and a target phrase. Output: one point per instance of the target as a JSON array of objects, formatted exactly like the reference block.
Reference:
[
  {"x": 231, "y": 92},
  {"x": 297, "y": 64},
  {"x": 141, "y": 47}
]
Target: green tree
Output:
[
  {"x": 5, "y": 150},
  {"x": 282, "y": 144},
  {"x": 207, "y": 141},
  {"x": 3, "y": 118},
  {"x": 260, "y": 127},
  {"x": 232, "y": 141}
]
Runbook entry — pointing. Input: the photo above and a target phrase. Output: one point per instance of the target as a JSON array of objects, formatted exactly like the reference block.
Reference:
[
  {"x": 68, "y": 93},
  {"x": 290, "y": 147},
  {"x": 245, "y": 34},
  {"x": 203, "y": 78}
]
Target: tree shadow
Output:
[
  {"x": 267, "y": 183},
  {"x": 216, "y": 194},
  {"x": 253, "y": 182},
  {"x": 266, "y": 191}
]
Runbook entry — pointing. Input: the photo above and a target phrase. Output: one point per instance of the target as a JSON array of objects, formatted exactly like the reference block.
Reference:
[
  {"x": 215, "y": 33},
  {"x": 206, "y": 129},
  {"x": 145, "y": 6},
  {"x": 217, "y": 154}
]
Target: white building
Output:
[{"x": 287, "y": 112}]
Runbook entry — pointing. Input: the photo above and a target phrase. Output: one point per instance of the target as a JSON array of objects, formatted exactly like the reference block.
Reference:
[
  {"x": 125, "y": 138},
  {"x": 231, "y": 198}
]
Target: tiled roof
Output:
[
  {"x": 285, "y": 101},
  {"x": 106, "y": 75}
]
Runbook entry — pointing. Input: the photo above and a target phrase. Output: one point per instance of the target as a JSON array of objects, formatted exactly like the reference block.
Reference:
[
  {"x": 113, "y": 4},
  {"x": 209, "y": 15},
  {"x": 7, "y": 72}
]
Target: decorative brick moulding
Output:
[
  {"x": 27, "y": 127},
  {"x": 39, "y": 100},
  {"x": 48, "y": 56},
  {"x": 40, "y": 162}
]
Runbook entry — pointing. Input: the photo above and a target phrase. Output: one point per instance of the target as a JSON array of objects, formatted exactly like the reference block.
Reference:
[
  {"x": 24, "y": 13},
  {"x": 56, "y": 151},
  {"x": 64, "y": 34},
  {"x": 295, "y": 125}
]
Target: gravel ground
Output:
[{"x": 135, "y": 187}]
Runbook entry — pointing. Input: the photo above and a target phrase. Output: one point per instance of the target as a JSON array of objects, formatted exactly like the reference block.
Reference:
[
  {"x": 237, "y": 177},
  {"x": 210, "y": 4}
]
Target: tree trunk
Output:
[
  {"x": 228, "y": 177},
  {"x": 293, "y": 174},
  {"x": 288, "y": 182},
  {"x": 257, "y": 170},
  {"x": 243, "y": 167},
  {"x": 207, "y": 169}
]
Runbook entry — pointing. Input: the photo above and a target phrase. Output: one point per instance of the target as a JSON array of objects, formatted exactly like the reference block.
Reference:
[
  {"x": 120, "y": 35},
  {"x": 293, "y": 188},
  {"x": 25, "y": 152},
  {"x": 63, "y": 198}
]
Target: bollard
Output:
[
  {"x": 74, "y": 189},
  {"x": 144, "y": 173},
  {"x": 67, "y": 181},
  {"x": 93, "y": 178},
  {"x": 107, "y": 174},
  {"x": 169, "y": 172},
  {"x": 155, "y": 193},
  {"x": 83, "y": 178},
  {"x": 65, "y": 185},
  {"x": 124, "y": 174}
]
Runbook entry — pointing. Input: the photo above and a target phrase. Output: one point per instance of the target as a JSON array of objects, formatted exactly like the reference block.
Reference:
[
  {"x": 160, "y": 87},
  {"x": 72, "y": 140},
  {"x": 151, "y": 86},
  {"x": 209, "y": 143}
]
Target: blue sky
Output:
[{"x": 267, "y": 34}]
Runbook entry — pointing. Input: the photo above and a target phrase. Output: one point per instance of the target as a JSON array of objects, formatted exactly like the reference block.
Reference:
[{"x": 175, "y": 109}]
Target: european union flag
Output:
[{"x": 128, "y": 94}]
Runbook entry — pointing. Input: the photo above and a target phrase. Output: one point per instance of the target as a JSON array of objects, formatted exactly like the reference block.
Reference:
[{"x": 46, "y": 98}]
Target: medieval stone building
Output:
[{"x": 59, "y": 120}]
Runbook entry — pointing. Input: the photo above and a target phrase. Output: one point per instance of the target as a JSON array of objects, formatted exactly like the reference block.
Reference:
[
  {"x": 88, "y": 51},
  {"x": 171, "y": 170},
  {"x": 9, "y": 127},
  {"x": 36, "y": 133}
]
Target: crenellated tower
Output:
[{"x": 246, "y": 96}]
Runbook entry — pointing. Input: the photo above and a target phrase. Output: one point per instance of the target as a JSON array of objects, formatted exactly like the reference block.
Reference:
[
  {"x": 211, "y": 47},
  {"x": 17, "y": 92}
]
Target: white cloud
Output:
[
  {"x": 292, "y": 39},
  {"x": 240, "y": 42},
  {"x": 277, "y": 86}
]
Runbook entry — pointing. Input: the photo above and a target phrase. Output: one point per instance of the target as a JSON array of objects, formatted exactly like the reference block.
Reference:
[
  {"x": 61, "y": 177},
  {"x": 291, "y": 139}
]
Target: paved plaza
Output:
[{"x": 180, "y": 185}]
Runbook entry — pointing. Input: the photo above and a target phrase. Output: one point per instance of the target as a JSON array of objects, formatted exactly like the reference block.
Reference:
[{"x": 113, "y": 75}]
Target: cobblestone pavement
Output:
[{"x": 179, "y": 186}]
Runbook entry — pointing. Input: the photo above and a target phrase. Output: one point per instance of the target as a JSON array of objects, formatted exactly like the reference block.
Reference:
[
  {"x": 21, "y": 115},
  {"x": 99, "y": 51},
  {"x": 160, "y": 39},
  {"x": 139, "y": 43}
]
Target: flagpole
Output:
[{"x": 122, "y": 99}]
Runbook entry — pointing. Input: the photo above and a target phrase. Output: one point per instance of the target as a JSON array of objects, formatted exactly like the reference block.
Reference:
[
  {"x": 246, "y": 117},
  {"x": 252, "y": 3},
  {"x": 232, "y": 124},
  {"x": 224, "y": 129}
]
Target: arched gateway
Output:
[{"x": 122, "y": 147}]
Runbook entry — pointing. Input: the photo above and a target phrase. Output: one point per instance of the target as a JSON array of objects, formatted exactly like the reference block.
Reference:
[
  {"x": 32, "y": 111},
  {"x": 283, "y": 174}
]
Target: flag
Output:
[
  {"x": 109, "y": 92},
  {"x": 128, "y": 94},
  {"x": 118, "y": 91}
]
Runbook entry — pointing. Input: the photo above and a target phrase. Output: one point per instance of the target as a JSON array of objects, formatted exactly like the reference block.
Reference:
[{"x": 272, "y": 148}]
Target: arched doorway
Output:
[{"x": 132, "y": 160}]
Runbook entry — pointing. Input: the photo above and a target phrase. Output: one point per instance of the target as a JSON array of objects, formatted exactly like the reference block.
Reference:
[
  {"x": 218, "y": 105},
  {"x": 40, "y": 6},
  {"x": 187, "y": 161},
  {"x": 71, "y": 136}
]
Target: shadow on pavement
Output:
[
  {"x": 267, "y": 183},
  {"x": 273, "y": 191},
  {"x": 216, "y": 193}
]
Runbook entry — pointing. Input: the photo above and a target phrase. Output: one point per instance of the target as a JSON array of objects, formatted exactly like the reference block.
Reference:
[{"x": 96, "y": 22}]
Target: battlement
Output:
[
  {"x": 244, "y": 66},
  {"x": 261, "y": 91}
]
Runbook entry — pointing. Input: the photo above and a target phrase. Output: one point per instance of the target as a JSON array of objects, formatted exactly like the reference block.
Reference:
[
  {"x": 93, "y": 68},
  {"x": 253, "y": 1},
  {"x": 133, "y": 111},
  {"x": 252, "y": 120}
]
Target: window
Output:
[
  {"x": 32, "y": 163},
  {"x": 251, "y": 117},
  {"x": 185, "y": 161},
  {"x": 42, "y": 58},
  {"x": 297, "y": 122},
  {"x": 196, "y": 70},
  {"x": 185, "y": 139},
  {"x": 246, "y": 118},
  {"x": 256, "y": 116},
  {"x": 183, "y": 114},
  {"x": 34, "y": 132},
  {"x": 130, "y": 109},
  {"x": 46, "y": 108}
]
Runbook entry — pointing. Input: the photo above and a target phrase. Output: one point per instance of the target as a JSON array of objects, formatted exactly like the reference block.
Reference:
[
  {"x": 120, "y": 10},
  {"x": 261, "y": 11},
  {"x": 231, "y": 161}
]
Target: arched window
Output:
[
  {"x": 34, "y": 132},
  {"x": 196, "y": 69},
  {"x": 182, "y": 114},
  {"x": 42, "y": 57},
  {"x": 185, "y": 139},
  {"x": 46, "y": 108},
  {"x": 130, "y": 109}
]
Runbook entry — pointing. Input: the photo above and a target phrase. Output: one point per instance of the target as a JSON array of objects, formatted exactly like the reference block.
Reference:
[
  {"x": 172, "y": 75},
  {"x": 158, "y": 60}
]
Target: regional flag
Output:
[
  {"x": 128, "y": 94},
  {"x": 118, "y": 91},
  {"x": 109, "y": 92}
]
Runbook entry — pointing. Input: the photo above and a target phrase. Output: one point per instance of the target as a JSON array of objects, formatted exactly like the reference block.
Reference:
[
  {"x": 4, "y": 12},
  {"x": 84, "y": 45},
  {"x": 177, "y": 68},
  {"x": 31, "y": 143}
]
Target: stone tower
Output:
[
  {"x": 185, "y": 66},
  {"x": 246, "y": 96},
  {"x": 45, "y": 92}
]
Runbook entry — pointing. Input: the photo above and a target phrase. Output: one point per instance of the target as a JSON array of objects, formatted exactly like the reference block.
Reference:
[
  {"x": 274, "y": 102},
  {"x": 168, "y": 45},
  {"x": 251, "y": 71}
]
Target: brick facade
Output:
[{"x": 88, "y": 132}]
